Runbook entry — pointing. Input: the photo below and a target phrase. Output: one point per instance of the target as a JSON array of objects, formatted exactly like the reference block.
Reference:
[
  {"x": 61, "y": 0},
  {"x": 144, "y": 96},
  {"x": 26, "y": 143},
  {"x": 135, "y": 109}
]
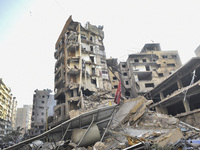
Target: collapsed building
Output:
[
  {"x": 80, "y": 67},
  {"x": 145, "y": 70},
  {"x": 178, "y": 95}
]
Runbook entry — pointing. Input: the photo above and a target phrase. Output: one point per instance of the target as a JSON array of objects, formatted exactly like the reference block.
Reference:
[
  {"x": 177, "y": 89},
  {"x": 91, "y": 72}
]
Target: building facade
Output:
[
  {"x": 23, "y": 119},
  {"x": 143, "y": 71},
  {"x": 80, "y": 67},
  {"x": 43, "y": 104},
  {"x": 7, "y": 109},
  {"x": 180, "y": 92}
]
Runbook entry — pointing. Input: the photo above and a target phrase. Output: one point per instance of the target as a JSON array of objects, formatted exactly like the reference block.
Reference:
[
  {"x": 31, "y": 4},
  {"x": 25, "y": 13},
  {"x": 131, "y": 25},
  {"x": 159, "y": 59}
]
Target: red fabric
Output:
[{"x": 118, "y": 94}]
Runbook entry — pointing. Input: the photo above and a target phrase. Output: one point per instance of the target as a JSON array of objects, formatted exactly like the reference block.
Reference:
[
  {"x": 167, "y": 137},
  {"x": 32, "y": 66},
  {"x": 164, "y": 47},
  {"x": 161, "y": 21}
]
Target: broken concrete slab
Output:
[{"x": 89, "y": 138}]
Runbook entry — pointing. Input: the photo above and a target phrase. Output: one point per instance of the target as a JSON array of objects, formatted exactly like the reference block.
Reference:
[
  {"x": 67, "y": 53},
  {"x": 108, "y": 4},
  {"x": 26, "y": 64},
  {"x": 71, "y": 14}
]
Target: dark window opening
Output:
[
  {"x": 136, "y": 60},
  {"x": 91, "y": 48},
  {"x": 123, "y": 66},
  {"x": 174, "y": 56},
  {"x": 42, "y": 102},
  {"x": 41, "y": 127},
  {"x": 104, "y": 72},
  {"x": 124, "y": 74},
  {"x": 160, "y": 75},
  {"x": 114, "y": 78},
  {"x": 90, "y": 38},
  {"x": 126, "y": 82},
  {"x": 115, "y": 86},
  {"x": 147, "y": 68},
  {"x": 43, "y": 96},
  {"x": 164, "y": 56},
  {"x": 92, "y": 58},
  {"x": 42, "y": 113},
  {"x": 127, "y": 93},
  {"x": 72, "y": 93},
  {"x": 170, "y": 65},
  {"x": 93, "y": 70},
  {"x": 149, "y": 85},
  {"x": 94, "y": 81},
  {"x": 144, "y": 60},
  {"x": 145, "y": 76}
]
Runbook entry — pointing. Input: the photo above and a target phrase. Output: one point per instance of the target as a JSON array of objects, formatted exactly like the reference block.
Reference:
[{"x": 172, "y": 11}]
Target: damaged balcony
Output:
[
  {"x": 71, "y": 86},
  {"x": 59, "y": 93},
  {"x": 73, "y": 71}
]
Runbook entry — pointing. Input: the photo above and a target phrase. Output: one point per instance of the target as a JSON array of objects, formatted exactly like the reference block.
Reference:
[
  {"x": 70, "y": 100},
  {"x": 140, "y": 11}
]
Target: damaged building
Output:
[
  {"x": 179, "y": 94},
  {"x": 145, "y": 70},
  {"x": 80, "y": 67},
  {"x": 113, "y": 72}
]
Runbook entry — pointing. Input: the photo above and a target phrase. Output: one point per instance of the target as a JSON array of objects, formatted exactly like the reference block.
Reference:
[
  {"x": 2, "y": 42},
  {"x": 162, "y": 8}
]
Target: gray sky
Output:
[{"x": 29, "y": 30}]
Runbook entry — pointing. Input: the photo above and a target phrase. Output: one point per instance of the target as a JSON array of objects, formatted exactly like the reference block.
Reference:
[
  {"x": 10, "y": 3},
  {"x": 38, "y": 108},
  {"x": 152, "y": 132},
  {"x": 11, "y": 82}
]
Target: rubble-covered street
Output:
[{"x": 132, "y": 125}]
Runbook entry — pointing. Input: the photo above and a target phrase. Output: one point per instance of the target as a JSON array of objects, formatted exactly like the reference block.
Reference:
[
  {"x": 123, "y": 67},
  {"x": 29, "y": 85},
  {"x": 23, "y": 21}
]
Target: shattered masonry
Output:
[{"x": 178, "y": 95}]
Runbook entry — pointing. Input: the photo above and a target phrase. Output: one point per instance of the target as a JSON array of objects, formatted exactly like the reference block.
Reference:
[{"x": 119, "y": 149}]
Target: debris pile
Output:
[
  {"x": 94, "y": 101},
  {"x": 130, "y": 125}
]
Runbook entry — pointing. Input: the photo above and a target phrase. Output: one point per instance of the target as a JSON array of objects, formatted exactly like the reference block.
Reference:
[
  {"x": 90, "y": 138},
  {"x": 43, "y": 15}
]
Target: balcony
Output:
[
  {"x": 59, "y": 60},
  {"x": 59, "y": 113},
  {"x": 71, "y": 86},
  {"x": 73, "y": 71},
  {"x": 60, "y": 94},
  {"x": 72, "y": 46}
]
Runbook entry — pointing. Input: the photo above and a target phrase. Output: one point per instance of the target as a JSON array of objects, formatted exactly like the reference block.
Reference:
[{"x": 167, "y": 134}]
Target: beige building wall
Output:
[{"x": 80, "y": 66}]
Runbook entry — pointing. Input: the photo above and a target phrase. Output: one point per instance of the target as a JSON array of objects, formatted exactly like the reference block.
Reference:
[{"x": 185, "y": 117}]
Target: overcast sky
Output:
[{"x": 29, "y": 30}]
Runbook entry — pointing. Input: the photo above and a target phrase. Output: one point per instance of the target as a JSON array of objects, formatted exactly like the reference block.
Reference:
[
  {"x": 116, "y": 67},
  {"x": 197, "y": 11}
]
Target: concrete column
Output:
[
  {"x": 179, "y": 84},
  {"x": 161, "y": 95},
  {"x": 186, "y": 105}
]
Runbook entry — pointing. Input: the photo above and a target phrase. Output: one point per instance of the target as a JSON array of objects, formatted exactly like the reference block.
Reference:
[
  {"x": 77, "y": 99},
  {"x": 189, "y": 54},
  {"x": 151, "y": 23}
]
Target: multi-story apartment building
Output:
[
  {"x": 23, "y": 119},
  {"x": 7, "y": 109},
  {"x": 143, "y": 71},
  {"x": 43, "y": 104},
  {"x": 80, "y": 67}
]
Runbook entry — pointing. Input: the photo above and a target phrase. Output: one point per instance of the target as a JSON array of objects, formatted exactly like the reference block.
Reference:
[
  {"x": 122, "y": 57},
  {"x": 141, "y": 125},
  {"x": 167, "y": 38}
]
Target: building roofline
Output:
[{"x": 69, "y": 20}]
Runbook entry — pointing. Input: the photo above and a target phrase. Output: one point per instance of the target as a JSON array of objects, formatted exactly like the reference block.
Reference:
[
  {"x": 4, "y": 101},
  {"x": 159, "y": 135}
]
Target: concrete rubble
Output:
[{"x": 133, "y": 126}]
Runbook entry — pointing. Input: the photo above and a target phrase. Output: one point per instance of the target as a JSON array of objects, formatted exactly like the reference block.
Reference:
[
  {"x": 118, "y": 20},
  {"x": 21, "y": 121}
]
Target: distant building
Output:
[
  {"x": 23, "y": 119},
  {"x": 80, "y": 66},
  {"x": 43, "y": 104},
  {"x": 7, "y": 109},
  {"x": 197, "y": 51},
  {"x": 143, "y": 71}
]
